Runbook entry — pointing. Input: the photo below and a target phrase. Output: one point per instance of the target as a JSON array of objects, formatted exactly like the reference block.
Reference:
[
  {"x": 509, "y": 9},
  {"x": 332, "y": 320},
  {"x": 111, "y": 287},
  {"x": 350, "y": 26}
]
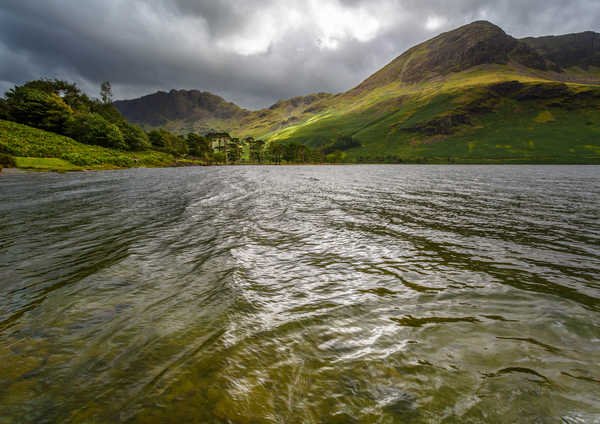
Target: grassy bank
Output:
[{"x": 45, "y": 151}]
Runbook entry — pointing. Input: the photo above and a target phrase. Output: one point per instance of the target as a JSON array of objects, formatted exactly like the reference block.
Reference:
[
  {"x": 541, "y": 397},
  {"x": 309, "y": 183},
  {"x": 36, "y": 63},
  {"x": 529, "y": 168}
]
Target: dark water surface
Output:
[{"x": 350, "y": 294}]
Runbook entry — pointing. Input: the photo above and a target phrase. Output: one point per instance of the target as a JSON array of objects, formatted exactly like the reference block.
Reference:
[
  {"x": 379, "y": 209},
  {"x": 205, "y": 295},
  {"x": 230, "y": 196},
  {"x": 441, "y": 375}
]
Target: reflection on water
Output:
[{"x": 358, "y": 294}]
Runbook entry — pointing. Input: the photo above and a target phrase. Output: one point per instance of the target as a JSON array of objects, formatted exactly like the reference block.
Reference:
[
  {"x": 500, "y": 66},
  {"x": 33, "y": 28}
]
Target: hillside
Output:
[
  {"x": 474, "y": 94},
  {"x": 42, "y": 150},
  {"x": 194, "y": 111}
]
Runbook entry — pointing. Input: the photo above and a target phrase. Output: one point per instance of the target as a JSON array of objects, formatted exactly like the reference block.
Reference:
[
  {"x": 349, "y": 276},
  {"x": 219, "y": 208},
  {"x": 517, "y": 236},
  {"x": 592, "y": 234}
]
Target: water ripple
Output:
[{"x": 358, "y": 294}]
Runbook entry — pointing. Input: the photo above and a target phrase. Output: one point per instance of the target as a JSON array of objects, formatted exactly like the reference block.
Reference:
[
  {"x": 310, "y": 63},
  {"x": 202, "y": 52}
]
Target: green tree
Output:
[
  {"x": 256, "y": 149},
  {"x": 275, "y": 152},
  {"x": 197, "y": 145},
  {"x": 106, "y": 93},
  {"x": 38, "y": 109},
  {"x": 234, "y": 150},
  {"x": 170, "y": 143},
  {"x": 4, "y": 110},
  {"x": 135, "y": 138},
  {"x": 94, "y": 129}
]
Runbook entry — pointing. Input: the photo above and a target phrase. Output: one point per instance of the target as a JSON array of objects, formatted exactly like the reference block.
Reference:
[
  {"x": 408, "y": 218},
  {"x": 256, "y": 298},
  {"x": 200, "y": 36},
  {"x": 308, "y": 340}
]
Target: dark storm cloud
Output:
[{"x": 251, "y": 52}]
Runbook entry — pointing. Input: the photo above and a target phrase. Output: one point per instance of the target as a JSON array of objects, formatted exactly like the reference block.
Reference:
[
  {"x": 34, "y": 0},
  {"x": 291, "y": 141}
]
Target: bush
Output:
[
  {"x": 94, "y": 129},
  {"x": 7, "y": 161}
]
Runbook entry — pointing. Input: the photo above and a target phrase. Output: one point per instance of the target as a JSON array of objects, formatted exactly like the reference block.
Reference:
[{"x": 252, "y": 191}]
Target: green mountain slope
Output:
[{"x": 474, "y": 94}]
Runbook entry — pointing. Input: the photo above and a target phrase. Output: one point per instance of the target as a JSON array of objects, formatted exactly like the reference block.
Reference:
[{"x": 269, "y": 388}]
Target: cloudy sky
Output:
[{"x": 252, "y": 52}]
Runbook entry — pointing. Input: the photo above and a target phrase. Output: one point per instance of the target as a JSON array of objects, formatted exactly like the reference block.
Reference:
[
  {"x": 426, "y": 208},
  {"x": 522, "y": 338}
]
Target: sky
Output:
[{"x": 251, "y": 52}]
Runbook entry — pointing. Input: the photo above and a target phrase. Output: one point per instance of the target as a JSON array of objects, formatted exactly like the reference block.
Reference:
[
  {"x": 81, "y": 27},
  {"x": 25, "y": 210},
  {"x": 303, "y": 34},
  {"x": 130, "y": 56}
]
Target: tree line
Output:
[{"x": 61, "y": 107}]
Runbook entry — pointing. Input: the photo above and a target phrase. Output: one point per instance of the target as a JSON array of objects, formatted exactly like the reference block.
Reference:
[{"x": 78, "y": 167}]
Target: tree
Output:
[
  {"x": 135, "y": 138},
  {"x": 4, "y": 110},
  {"x": 165, "y": 141},
  {"x": 94, "y": 129},
  {"x": 275, "y": 152},
  {"x": 234, "y": 150},
  {"x": 197, "y": 145},
  {"x": 38, "y": 109},
  {"x": 106, "y": 93},
  {"x": 256, "y": 149}
]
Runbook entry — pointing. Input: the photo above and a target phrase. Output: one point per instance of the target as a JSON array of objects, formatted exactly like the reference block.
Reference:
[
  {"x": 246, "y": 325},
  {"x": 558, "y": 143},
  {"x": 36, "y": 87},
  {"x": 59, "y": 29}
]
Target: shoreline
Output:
[{"x": 22, "y": 171}]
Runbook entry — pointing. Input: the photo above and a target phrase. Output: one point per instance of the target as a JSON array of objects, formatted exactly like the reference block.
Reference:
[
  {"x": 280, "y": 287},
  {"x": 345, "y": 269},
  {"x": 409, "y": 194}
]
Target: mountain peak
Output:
[
  {"x": 187, "y": 105},
  {"x": 477, "y": 43}
]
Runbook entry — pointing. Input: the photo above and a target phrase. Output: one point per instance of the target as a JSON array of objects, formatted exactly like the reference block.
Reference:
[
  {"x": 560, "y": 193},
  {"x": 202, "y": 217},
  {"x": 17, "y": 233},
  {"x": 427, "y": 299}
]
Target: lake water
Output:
[{"x": 342, "y": 294}]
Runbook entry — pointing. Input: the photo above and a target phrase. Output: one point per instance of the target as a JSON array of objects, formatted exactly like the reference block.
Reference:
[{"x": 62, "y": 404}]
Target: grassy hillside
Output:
[
  {"x": 474, "y": 116},
  {"x": 38, "y": 149}
]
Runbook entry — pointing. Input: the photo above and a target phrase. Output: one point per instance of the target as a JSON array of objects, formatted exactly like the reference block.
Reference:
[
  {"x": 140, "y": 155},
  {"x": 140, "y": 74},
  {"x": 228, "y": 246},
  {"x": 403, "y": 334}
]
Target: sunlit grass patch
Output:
[{"x": 53, "y": 164}]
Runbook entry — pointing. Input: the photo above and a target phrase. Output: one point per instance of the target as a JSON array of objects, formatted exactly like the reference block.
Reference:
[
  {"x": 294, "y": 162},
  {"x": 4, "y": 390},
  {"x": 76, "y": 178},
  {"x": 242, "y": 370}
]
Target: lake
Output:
[{"x": 309, "y": 294}]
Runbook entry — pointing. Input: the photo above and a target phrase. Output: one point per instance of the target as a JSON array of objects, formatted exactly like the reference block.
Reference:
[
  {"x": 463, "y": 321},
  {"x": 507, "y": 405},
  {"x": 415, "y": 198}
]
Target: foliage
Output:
[
  {"x": 256, "y": 149},
  {"x": 107, "y": 111},
  {"x": 164, "y": 141},
  {"x": 234, "y": 150},
  {"x": 4, "y": 110},
  {"x": 60, "y": 107},
  {"x": 219, "y": 157},
  {"x": 92, "y": 128},
  {"x": 198, "y": 145},
  {"x": 275, "y": 152},
  {"x": 106, "y": 92},
  {"x": 38, "y": 109},
  {"x": 134, "y": 137},
  {"x": 23, "y": 141}
]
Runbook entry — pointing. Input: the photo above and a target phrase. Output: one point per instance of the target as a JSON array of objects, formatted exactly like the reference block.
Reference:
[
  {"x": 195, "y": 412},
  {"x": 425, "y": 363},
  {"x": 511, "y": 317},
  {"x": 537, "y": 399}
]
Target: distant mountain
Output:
[
  {"x": 568, "y": 51},
  {"x": 159, "y": 108},
  {"x": 184, "y": 111},
  {"x": 471, "y": 94}
]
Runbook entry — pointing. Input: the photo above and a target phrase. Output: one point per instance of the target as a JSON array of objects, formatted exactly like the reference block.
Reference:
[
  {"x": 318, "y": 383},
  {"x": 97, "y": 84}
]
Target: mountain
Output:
[
  {"x": 474, "y": 94},
  {"x": 160, "y": 108},
  {"x": 194, "y": 111},
  {"x": 567, "y": 51},
  {"x": 480, "y": 43}
]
